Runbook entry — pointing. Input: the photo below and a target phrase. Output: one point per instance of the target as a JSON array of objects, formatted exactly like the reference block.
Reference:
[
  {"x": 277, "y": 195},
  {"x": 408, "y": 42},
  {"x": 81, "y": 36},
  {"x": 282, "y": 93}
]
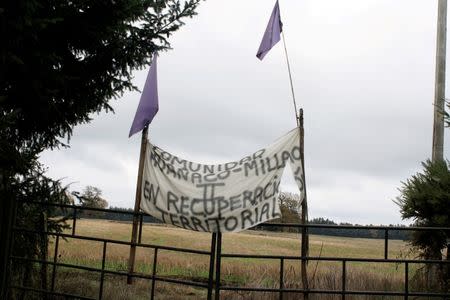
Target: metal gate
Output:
[{"x": 214, "y": 286}]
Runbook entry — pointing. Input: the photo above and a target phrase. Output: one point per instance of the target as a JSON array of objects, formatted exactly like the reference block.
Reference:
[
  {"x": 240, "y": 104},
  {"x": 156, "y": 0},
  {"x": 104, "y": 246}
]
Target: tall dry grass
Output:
[{"x": 234, "y": 271}]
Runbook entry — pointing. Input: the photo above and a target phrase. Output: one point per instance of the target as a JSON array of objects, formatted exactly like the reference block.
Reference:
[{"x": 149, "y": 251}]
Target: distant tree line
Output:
[
  {"x": 360, "y": 233},
  {"x": 290, "y": 209},
  {"x": 347, "y": 232},
  {"x": 289, "y": 206},
  {"x": 117, "y": 216},
  {"x": 92, "y": 197}
]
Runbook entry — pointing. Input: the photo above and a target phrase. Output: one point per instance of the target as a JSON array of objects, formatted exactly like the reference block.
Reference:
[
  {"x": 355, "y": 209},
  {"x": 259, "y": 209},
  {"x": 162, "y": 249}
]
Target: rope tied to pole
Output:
[{"x": 290, "y": 79}]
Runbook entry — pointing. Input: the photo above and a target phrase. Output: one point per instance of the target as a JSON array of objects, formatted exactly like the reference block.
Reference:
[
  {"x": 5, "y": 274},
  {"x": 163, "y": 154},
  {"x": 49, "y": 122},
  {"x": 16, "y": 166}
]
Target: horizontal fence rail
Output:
[{"x": 213, "y": 285}]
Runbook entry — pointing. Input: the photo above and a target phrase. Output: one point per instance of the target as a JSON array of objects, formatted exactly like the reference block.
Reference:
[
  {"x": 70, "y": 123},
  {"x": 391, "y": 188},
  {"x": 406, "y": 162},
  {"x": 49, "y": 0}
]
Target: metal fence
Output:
[{"x": 214, "y": 285}]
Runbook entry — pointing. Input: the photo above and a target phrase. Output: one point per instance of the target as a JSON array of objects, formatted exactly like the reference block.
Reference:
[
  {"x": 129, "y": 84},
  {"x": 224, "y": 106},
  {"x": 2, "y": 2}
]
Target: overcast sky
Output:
[{"x": 363, "y": 72}]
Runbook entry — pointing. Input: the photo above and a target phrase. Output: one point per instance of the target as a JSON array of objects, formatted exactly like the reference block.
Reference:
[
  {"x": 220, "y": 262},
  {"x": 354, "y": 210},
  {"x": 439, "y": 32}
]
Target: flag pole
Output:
[
  {"x": 137, "y": 205},
  {"x": 290, "y": 78},
  {"x": 304, "y": 206}
]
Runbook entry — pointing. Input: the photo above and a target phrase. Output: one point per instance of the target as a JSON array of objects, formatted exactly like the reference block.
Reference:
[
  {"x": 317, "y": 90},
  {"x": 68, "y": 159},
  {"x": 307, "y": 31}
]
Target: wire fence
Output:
[{"x": 215, "y": 286}]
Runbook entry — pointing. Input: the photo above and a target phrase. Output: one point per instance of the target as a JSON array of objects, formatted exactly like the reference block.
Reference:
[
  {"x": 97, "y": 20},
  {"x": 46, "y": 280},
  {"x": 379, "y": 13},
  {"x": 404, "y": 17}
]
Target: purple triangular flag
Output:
[
  {"x": 272, "y": 34},
  {"x": 148, "y": 105}
]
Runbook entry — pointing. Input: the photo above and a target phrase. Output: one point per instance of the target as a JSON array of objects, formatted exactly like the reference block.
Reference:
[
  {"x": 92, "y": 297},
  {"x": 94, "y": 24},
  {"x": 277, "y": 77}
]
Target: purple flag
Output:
[
  {"x": 148, "y": 105},
  {"x": 272, "y": 34}
]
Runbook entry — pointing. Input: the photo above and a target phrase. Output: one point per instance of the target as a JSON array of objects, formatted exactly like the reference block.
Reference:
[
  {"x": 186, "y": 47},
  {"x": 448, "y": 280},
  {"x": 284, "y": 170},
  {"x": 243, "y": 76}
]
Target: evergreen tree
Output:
[
  {"x": 425, "y": 198},
  {"x": 60, "y": 62}
]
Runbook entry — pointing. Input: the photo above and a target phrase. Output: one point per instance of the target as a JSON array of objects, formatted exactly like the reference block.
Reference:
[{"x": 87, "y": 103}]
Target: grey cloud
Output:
[{"x": 363, "y": 72}]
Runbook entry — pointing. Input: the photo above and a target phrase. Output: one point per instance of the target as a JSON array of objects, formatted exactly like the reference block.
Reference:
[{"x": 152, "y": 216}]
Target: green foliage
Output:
[
  {"x": 60, "y": 62},
  {"x": 91, "y": 197},
  {"x": 425, "y": 198},
  {"x": 63, "y": 60},
  {"x": 30, "y": 241},
  {"x": 290, "y": 207}
]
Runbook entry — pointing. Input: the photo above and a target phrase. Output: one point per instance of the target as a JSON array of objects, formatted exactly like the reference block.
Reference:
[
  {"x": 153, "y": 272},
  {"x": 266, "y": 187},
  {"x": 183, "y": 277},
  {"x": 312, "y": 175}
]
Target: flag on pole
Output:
[
  {"x": 272, "y": 34},
  {"x": 148, "y": 105}
]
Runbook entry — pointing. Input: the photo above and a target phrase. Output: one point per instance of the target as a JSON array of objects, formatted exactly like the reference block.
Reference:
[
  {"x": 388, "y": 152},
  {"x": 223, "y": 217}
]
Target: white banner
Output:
[{"x": 219, "y": 198}]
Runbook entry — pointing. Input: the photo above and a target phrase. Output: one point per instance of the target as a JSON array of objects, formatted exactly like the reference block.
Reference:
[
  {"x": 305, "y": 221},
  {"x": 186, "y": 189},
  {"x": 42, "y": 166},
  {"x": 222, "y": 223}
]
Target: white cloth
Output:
[{"x": 219, "y": 198}]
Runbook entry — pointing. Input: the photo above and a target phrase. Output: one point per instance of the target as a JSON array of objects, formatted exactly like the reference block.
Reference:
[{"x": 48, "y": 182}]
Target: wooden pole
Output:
[
  {"x": 137, "y": 205},
  {"x": 439, "y": 103},
  {"x": 304, "y": 216},
  {"x": 439, "y": 93}
]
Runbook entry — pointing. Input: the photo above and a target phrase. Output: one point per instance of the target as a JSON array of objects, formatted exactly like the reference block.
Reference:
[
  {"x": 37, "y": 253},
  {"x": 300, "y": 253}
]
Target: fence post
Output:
[
  {"x": 212, "y": 258},
  {"x": 218, "y": 261},
  {"x": 304, "y": 215},
  {"x": 281, "y": 277},
  {"x": 55, "y": 261},
  {"x": 141, "y": 220},
  {"x": 74, "y": 222},
  {"x": 406, "y": 280},
  {"x": 386, "y": 241},
  {"x": 7, "y": 219},
  {"x": 155, "y": 261},
  {"x": 102, "y": 274},
  {"x": 344, "y": 279},
  {"x": 137, "y": 206}
]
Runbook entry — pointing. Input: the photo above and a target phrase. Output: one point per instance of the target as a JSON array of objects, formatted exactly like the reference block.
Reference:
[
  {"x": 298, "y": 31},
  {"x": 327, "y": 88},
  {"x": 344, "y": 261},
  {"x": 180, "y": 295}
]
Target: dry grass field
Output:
[{"x": 235, "y": 271}]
